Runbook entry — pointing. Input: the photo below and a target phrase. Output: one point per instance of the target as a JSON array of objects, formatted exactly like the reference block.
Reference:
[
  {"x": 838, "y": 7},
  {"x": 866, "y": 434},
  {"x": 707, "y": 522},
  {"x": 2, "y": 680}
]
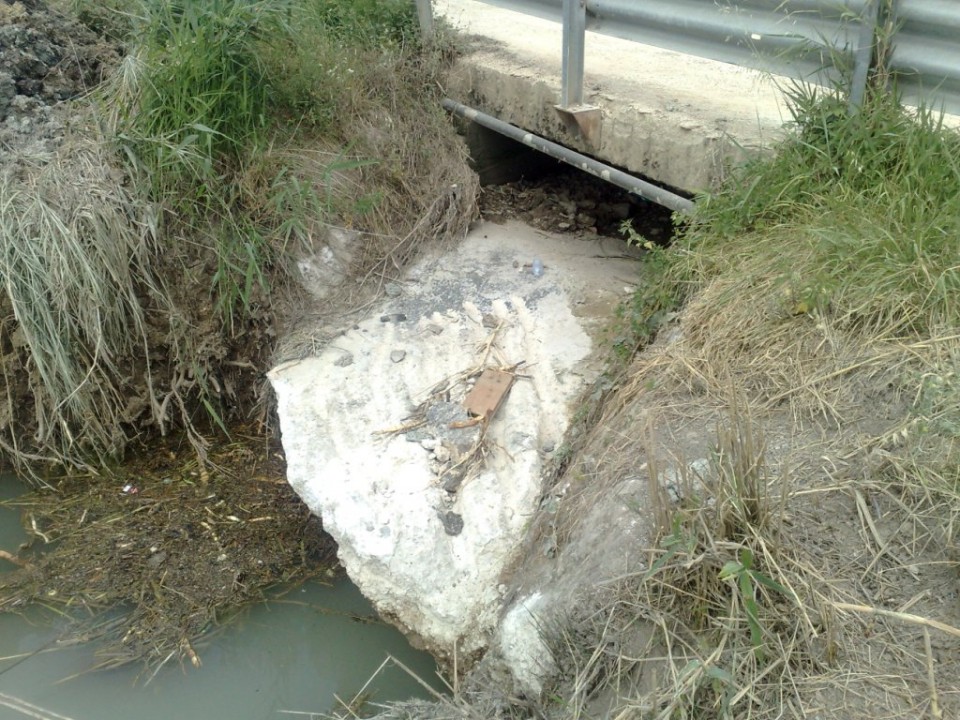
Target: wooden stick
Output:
[
  {"x": 935, "y": 711},
  {"x": 905, "y": 617},
  {"x": 4, "y": 555}
]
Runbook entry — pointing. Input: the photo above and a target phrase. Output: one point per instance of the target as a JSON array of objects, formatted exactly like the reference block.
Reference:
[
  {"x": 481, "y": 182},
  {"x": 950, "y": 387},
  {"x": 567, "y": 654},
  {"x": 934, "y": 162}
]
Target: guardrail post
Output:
[
  {"x": 425, "y": 15},
  {"x": 574, "y": 34},
  {"x": 580, "y": 119},
  {"x": 863, "y": 55}
]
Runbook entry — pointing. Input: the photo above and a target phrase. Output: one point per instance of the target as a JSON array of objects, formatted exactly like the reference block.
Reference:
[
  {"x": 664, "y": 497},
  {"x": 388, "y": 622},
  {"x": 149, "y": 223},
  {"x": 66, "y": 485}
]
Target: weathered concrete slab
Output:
[
  {"x": 674, "y": 118},
  {"x": 427, "y": 503}
]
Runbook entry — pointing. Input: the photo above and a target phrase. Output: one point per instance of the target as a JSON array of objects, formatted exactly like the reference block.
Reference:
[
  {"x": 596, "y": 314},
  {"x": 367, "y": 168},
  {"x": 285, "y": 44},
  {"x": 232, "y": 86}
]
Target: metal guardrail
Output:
[{"x": 815, "y": 40}]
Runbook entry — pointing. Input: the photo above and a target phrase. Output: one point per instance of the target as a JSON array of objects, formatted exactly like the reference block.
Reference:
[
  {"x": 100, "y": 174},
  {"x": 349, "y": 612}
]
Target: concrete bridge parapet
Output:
[{"x": 676, "y": 119}]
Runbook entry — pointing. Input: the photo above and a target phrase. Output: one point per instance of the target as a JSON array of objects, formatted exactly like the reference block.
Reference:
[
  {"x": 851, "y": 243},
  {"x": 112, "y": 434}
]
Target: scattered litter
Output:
[{"x": 487, "y": 395}]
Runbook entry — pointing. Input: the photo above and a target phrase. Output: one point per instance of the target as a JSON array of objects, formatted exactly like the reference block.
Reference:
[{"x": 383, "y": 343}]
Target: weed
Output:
[
  {"x": 746, "y": 579},
  {"x": 855, "y": 215},
  {"x": 713, "y": 581},
  {"x": 654, "y": 302},
  {"x": 204, "y": 86},
  {"x": 206, "y": 134}
]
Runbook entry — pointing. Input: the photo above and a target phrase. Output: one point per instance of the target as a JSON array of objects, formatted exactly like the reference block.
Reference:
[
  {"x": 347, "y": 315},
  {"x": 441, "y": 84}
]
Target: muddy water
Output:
[{"x": 293, "y": 654}]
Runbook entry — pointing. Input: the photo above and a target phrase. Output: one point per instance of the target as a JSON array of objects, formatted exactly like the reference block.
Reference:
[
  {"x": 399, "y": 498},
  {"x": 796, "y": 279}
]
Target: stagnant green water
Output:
[{"x": 291, "y": 655}]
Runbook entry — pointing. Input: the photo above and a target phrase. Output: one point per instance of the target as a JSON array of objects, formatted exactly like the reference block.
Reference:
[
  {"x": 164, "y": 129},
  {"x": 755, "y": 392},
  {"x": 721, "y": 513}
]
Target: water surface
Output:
[{"x": 293, "y": 653}]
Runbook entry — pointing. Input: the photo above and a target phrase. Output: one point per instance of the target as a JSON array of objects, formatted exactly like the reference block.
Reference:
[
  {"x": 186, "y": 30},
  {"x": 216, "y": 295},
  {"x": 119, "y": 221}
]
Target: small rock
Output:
[
  {"x": 453, "y": 482},
  {"x": 563, "y": 226},
  {"x": 441, "y": 453},
  {"x": 393, "y": 317},
  {"x": 429, "y": 443},
  {"x": 435, "y": 329},
  {"x": 344, "y": 360},
  {"x": 673, "y": 492},
  {"x": 392, "y": 289},
  {"x": 452, "y": 522},
  {"x": 398, "y": 355}
]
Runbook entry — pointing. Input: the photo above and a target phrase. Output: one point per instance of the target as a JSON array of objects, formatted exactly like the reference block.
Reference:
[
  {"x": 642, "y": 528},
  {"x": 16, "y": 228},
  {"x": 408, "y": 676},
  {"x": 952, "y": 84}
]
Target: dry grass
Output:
[
  {"x": 847, "y": 609},
  {"x": 798, "y": 427},
  {"x": 145, "y": 268},
  {"x": 76, "y": 248}
]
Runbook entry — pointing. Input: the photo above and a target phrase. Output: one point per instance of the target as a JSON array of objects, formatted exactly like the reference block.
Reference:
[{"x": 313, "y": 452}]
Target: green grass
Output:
[
  {"x": 232, "y": 134},
  {"x": 367, "y": 23},
  {"x": 856, "y": 216},
  {"x": 209, "y": 91},
  {"x": 204, "y": 85}
]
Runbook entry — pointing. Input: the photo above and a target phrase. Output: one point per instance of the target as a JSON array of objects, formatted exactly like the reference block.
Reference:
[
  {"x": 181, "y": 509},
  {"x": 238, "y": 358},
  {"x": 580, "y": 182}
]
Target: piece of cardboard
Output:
[{"x": 488, "y": 393}]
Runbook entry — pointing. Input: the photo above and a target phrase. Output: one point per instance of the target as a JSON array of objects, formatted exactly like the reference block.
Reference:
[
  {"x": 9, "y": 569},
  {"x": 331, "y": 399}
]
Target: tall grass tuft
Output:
[
  {"x": 204, "y": 85},
  {"x": 191, "y": 106},
  {"x": 856, "y": 215},
  {"x": 75, "y": 261}
]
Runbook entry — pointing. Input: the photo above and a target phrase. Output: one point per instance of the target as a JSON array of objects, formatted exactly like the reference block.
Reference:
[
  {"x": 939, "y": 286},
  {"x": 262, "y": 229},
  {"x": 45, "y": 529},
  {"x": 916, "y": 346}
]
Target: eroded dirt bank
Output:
[
  {"x": 190, "y": 531},
  {"x": 712, "y": 442},
  {"x": 207, "y": 520}
]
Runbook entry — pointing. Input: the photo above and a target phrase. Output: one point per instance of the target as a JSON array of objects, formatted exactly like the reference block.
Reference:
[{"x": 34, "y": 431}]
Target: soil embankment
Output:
[{"x": 123, "y": 312}]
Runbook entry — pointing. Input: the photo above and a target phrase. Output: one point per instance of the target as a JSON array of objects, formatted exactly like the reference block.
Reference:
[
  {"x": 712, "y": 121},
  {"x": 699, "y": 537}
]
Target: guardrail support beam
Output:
[
  {"x": 581, "y": 120},
  {"x": 425, "y": 15},
  {"x": 863, "y": 55}
]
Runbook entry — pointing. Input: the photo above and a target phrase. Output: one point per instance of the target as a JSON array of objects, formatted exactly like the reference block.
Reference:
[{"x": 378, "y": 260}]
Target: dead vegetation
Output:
[
  {"x": 179, "y": 543},
  {"x": 797, "y": 426},
  {"x": 761, "y": 521},
  {"x": 149, "y": 269},
  {"x": 147, "y": 278}
]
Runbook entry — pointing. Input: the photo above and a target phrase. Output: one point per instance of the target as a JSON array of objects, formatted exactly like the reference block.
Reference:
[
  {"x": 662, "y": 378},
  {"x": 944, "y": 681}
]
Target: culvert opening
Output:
[{"x": 522, "y": 183}]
